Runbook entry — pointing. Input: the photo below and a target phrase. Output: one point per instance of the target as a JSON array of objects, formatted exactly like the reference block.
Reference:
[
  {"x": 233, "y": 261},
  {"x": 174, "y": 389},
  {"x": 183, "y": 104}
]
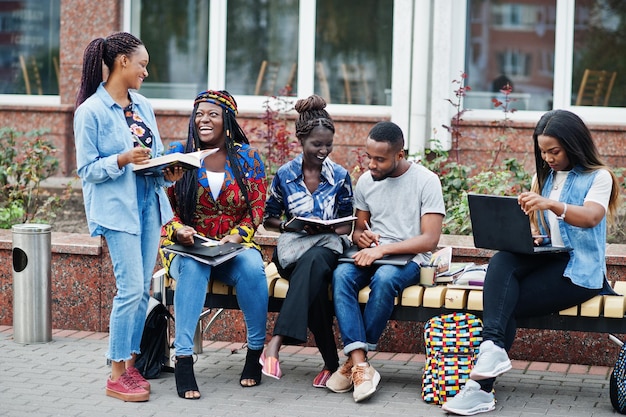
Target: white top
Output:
[{"x": 215, "y": 179}]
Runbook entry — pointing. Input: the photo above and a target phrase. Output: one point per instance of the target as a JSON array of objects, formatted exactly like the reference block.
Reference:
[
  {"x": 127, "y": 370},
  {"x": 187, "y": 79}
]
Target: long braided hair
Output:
[
  {"x": 103, "y": 50},
  {"x": 186, "y": 188},
  {"x": 312, "y": 114}
]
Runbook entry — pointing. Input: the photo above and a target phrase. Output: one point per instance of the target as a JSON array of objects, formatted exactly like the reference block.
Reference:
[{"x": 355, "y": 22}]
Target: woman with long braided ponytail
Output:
[
  {"x": 223, "y": 200},
  {"x": 311, "y": 185},
  {"x": 115, "y": 127}
]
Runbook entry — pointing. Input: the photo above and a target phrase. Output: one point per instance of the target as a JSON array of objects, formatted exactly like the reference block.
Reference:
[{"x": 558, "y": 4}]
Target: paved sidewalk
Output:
[{"x": 66, "y": 377}]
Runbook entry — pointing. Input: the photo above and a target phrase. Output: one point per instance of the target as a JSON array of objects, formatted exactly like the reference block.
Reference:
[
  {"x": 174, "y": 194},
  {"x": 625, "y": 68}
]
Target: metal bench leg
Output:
[{"x": 197, "y": 337}]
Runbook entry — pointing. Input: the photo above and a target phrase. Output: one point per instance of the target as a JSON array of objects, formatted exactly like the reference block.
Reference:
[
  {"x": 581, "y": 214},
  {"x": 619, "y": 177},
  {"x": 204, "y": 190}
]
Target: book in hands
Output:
[
  {"x": 298, "y": 223},
  {"x": 155, "y": 166}
]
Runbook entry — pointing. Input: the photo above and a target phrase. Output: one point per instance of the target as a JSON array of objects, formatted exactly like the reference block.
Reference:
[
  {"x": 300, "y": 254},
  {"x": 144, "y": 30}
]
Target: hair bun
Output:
[{"x": 311, "y": 103}]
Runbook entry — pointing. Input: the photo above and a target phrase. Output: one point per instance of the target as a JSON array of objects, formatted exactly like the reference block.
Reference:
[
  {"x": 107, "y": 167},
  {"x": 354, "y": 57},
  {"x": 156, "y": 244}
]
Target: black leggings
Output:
[
  {"x": 307, "y": 303},
  {"x": 519, "y": 286}
]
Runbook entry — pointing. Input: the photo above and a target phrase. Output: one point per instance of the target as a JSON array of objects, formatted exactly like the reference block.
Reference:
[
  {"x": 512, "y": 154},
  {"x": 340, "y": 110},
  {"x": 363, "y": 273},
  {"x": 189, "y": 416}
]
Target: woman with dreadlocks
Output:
[
  {"x": 115, "y": 127},
  {"x": 311, "y": 185},
  {"x": 224, "y": 200}
]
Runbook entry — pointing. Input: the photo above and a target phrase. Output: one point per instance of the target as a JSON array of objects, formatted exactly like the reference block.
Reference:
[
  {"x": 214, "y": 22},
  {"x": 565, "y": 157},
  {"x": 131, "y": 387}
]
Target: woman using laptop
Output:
[
  {"x": 310, "y": 185},
  {"x": 573, "y": 195}
]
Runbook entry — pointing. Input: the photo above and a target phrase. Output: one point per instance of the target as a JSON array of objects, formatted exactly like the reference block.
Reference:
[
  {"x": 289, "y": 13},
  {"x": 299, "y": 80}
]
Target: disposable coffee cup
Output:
[{"x": 427, "y": 275}]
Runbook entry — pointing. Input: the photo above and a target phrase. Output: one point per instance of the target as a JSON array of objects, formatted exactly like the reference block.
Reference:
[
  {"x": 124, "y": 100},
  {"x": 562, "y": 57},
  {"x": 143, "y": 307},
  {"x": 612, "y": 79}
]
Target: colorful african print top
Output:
[{"x": 229, "y": 213}]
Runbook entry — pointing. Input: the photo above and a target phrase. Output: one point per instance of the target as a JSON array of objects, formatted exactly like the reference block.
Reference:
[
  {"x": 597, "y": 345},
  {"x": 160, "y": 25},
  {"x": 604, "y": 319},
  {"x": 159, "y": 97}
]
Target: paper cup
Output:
[{"x": 427, "y": 276}]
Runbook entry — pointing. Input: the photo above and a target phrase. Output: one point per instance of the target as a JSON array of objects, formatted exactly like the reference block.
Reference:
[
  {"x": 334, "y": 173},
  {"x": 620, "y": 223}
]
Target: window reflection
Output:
[
  {"x": 262, "y": 47},
  {"x": 599, "y": 37},
  {"x": 29, "y": 47},
  {"x": 510, "y": 41},
  {"x": 176, "y": 35},
  {"x": 353, "y": 48}
]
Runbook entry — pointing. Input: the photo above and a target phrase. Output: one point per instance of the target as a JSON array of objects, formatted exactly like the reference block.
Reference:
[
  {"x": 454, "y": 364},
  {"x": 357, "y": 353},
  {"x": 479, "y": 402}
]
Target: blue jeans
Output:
[
  {"x": 133, "y": 258},
  {"x": 245, "y": 272},
  {"x": 362, "y": 331}
]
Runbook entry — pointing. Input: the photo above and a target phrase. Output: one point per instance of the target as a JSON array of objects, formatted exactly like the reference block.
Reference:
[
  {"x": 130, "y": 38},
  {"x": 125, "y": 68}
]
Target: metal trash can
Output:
[{"x": 32, "y": 315}]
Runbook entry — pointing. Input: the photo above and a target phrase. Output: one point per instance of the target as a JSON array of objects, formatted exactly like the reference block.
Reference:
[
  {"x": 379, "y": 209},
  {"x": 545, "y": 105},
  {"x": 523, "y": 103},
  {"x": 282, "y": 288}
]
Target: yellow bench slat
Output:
[
  {"x": 456, "y": 298},
  {"x": 593, "y": 307},
  {"x": 412, "y": 296},
  {"x": 475, "y": 300},
  {"x": 615, "y": 305}
]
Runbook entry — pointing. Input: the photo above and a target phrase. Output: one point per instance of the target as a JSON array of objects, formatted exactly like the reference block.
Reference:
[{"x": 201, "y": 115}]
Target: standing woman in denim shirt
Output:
[
  {"x": 573, "y": 194},
  {"x": 311, "y": 185},
  {"x": 114, "y": 128}
]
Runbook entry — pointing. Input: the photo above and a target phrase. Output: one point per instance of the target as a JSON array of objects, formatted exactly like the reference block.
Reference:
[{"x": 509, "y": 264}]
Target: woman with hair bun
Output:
[{"x": 311, "y": 185}]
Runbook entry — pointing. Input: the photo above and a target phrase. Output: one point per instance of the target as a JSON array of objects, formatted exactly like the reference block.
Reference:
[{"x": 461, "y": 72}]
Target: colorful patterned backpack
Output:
[{"x": 452, "y": 342}]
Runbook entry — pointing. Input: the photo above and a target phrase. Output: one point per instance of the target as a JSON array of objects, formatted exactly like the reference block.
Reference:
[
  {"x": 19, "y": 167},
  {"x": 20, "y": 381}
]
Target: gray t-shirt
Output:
[{"x": 396, "y": 205}]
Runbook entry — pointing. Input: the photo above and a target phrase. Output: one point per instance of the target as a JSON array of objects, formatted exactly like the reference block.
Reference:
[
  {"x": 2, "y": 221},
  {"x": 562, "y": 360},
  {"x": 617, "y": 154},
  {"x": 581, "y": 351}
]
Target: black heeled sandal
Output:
[
  {"x": 185, "y": 378},
  {"x": 252, "y": 368}
]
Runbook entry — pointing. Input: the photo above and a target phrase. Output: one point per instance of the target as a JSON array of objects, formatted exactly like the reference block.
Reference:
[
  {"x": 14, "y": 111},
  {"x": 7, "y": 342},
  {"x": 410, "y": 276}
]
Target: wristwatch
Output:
[{"x": 281, "y": 227}]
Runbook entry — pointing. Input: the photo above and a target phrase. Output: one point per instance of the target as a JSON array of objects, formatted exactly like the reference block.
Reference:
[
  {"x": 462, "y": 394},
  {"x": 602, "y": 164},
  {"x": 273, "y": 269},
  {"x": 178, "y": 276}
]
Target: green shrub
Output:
[{"x": 26, "y": 160}]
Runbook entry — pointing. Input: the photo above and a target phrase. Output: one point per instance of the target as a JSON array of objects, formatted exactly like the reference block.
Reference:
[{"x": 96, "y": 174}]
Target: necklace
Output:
[{"x": 558, "y": 184}]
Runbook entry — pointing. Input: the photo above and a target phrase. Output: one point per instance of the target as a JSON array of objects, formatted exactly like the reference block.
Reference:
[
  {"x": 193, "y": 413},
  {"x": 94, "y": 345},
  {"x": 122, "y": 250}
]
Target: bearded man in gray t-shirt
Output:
[{"x": 400, "y": 210}]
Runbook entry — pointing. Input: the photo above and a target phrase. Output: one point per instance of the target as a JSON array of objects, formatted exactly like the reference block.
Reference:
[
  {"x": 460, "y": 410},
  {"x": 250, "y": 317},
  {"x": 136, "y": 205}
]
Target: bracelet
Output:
[
  {"x": 562, "y": 216},
  {"x": 281, "y": 227}
]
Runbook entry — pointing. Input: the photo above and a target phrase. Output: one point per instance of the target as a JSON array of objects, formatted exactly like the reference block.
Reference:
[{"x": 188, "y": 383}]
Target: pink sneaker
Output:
[
  {"x": 139, "y": 379},
  {"x": 126, "y": 389}
]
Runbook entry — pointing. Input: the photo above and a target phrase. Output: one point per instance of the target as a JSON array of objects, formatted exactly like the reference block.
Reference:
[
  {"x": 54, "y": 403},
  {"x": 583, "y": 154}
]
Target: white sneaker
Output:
[
  {"x": 365, "y": 379},
  {"x": 492, "y": 361},
  {"x": 470, "y": 400}
]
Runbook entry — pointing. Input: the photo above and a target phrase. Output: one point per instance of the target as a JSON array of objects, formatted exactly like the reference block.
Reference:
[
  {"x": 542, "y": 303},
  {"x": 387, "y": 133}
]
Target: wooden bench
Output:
[{"x": 601, "y": 314}]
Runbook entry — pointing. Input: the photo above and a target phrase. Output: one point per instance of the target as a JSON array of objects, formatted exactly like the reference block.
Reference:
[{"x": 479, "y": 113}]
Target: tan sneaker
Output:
[
  {"x": 365, "y": 379},
  {"x": 341, "y": 379}
]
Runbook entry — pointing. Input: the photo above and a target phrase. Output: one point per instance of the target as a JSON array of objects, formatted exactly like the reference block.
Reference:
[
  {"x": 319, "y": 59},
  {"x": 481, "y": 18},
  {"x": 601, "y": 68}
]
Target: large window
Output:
[
  {"x": 176, "y": 36},
  {"x": 511, "y": 42},
  {"x": 599, "y": 63},
  {"x": 256, "y": 48},
  {"x": 353, "y": 41},
  {"x": 515, "y": 42},
  {"x": 29, "y": 47},
  {"x": 262, "y": 47}
]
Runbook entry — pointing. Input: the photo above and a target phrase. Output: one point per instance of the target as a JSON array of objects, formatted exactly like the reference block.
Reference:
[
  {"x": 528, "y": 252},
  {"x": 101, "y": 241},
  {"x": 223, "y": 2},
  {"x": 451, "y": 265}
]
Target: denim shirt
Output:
[
  {"x": 289, "y": 194},
  {"x": 109, "y": 192},
  {"x": 587, "y": 264}
]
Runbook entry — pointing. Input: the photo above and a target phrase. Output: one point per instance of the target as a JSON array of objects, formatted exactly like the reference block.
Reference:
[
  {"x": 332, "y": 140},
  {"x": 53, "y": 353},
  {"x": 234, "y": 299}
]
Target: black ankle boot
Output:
[
  {"x": 185, "y": 379},
  {"x": 252, "y": 368}
]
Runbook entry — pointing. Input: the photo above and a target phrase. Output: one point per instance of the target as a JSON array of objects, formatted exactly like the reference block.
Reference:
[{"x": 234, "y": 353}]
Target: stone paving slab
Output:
[{"x": 66, "y": 377}]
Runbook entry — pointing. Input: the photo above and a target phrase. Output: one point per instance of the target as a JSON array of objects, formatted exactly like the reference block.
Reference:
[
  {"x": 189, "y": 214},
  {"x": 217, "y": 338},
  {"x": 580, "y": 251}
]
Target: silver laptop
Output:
[{"x": 499, "y": 223}]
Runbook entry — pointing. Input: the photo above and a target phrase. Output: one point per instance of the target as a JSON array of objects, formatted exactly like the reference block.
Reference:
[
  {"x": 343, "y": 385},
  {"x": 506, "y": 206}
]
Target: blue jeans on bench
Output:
[
  {"x": 245, "y": 272},
  {"x": 362, "y": 331}
]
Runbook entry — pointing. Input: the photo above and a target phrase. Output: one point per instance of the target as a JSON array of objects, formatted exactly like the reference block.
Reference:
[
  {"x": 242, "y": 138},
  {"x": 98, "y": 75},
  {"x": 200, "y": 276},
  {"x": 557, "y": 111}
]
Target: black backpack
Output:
[
  {"x": 617, "y": 382},
  {"x": 154, "y": 341}
]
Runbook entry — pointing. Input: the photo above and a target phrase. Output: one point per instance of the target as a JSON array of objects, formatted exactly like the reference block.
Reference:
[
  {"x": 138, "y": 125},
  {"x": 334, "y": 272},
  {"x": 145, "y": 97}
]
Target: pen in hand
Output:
[{"x": 367, "y": 226}]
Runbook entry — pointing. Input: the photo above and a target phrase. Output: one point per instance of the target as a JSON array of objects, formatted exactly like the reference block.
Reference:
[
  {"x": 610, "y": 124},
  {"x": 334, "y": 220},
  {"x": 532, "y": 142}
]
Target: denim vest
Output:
[{"x": 587, "y": 264}]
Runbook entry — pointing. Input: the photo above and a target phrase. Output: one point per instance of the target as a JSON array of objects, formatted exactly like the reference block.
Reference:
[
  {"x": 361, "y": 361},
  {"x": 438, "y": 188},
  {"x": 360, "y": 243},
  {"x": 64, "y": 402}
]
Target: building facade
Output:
[{"x": 399, "y": 60}]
